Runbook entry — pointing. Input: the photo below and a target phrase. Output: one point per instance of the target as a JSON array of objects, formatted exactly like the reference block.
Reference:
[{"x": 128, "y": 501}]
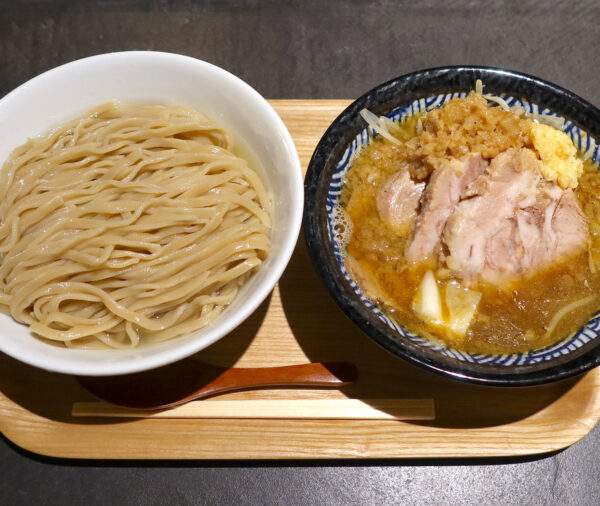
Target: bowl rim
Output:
[
  {"x": 383, "y": 98},
  {"x": 223, "y": 325}
]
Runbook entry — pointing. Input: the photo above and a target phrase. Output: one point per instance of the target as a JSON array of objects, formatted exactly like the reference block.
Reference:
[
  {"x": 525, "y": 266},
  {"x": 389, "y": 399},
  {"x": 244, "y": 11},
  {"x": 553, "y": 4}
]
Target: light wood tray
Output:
[{"x": 299, "y": 322}]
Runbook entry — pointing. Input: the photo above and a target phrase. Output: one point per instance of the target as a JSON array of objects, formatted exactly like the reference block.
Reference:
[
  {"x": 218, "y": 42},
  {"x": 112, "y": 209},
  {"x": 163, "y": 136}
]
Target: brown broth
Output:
[{"x": 511, "y": 318}]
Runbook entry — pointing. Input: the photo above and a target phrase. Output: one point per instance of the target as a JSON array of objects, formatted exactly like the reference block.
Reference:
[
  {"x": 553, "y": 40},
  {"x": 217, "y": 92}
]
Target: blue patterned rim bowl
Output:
[{"x": 397, "y": 98}]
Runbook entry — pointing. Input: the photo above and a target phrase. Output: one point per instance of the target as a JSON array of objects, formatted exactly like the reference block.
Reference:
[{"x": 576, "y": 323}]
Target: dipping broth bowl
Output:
[{"x": 417, "y": 93}]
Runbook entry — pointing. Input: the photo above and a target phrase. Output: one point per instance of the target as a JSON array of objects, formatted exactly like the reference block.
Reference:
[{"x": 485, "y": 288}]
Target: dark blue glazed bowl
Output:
[{"x": 405, "y": 95}]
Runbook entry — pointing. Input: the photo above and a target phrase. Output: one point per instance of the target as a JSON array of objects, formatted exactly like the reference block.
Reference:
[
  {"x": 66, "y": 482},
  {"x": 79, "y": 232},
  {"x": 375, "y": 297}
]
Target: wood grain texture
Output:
[
  {"x": 299, "y": 322},
  {"x": 284, "y": 409}
]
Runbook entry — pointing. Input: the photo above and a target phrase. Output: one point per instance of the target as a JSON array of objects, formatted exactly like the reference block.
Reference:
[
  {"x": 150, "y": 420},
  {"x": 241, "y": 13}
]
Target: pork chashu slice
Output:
[
  {"x": 398, "y": 200},
  {"x": 446, "y": 185},
  {"x": 510, "y": 221}
]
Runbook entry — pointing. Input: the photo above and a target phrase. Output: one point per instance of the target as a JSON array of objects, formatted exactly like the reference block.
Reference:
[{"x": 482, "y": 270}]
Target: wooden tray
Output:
[{"x": 299, "y": 322}]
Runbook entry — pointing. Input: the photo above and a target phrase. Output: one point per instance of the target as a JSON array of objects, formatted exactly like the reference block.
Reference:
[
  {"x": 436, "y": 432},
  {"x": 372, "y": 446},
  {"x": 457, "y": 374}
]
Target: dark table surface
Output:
[{"x": 312, "y": 49}]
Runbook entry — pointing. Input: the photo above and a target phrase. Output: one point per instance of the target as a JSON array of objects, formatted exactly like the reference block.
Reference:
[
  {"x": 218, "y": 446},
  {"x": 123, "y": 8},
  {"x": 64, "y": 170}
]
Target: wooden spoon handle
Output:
[
  {"x": 188, "y": 380},
  {"x": 313, "y": 374}
]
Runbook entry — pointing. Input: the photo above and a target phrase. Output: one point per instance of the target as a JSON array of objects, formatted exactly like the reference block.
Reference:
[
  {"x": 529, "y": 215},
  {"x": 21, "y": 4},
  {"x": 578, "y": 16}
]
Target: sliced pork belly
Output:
[
  {"x": 446, "y": 184},
  {"x": 511, "y": 221},
  {"x": 533, "y": 226},
  {"x": 570, "y": 224},
  {"x": 398, "y": 200},
  {"x": 478, "y": 231}
]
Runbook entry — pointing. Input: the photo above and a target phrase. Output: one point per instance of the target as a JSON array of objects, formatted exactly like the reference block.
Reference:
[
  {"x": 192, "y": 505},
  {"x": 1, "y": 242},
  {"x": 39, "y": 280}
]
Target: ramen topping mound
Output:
[
  {"x": 510, "y": 221},
  {"x": 470, "y": 228}
]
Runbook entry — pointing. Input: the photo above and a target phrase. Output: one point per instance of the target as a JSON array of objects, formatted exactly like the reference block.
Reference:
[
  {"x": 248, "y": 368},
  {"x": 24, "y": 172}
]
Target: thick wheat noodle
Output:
[{"x": 129, "y": 225}]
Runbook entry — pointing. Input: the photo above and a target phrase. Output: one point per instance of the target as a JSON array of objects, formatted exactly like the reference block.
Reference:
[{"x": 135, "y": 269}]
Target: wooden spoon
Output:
[{"x": 191, "y": 379}]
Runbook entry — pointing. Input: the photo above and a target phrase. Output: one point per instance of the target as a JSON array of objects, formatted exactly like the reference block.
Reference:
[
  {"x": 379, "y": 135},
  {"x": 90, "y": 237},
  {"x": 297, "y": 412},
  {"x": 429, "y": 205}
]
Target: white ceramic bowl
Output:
[{"x": 65, "y": 92}]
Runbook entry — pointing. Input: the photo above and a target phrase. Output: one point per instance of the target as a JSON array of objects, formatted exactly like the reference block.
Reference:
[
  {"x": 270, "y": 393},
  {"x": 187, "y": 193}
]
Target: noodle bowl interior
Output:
[
  {"x": 129, "y": 225},
  {"x": 475, "y": 225}
]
